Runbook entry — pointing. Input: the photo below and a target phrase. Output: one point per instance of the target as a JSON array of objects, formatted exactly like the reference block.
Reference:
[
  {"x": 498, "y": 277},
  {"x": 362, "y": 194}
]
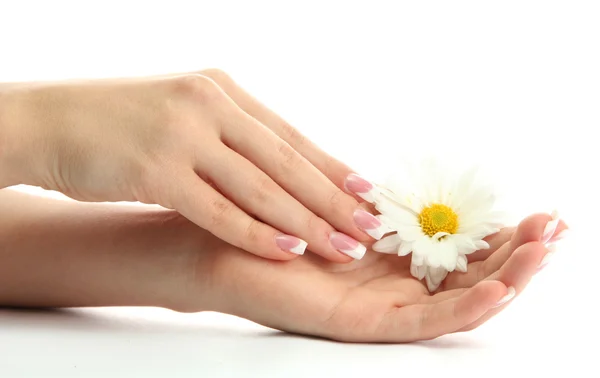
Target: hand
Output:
[
  {"x": 375, "y": 299},
  {"x": 196, "y": 143}
]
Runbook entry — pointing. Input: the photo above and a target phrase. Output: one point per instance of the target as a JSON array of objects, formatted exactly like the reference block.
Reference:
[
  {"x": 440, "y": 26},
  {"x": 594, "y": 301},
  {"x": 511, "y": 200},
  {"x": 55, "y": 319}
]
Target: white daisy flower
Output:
[{"x": 438, "y": 217}]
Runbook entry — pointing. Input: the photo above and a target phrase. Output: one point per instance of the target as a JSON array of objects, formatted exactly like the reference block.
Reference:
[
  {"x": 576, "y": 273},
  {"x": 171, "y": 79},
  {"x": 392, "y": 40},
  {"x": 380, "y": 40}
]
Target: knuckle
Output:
[
  {"x": 199, "y": 88},
  {"x": 218, "y": 75},
  {"x": 336, "y": 198},
  {"x": 329, "y": 165},
  {"x": 262, "y": 190},
  {"x": 481, "y": 272},
  {"x": 219, "y": 212},
  {"x": 315, "y": 223},
  {"x": 252, "y": 232},
  {"x": 292, "y": 135},
  {"x": 341, "y": 203},
  {"x": 290, "y": 159}
]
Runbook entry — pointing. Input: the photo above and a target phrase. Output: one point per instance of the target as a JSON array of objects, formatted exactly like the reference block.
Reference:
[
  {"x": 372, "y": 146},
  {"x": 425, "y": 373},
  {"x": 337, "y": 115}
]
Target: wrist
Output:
[{"x": 14, "y": 150}]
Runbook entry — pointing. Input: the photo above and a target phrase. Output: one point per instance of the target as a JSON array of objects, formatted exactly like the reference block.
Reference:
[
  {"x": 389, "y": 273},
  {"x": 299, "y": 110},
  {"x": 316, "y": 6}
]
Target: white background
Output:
[{"x": 511, "y": 85}]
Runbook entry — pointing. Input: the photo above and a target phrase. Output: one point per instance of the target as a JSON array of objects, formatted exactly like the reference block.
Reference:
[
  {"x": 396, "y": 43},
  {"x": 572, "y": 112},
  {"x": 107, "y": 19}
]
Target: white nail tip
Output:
[
  {"x": 549, "y": 230},
  {"x": 300, "y": 248},
  {"x": 546, "y": 259},
  {"x": 511, "y": 293},
  {"x": 561, "y": 235},
  {"x": 356, "y": 253},
  {"x": 549, "y": 256}
]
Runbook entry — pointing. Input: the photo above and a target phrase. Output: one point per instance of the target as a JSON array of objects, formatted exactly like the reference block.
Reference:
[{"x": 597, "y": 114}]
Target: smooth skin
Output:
[
  {"x": 196, "y": 143},
  {"x": 66, "y": 254}
]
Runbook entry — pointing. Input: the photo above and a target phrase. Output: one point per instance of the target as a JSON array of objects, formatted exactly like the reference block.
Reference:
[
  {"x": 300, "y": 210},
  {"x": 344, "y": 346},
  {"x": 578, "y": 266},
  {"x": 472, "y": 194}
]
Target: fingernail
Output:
[
  {"x": 550, "y": 227},
  {"x": 361, "y": 187},
  {"x": 507, "y": 297},
  {"x": 369, "y": 224},
  {"x": 561, "y": 235},
  {"x": 291, "y": 244},
  {"x": 547, "y": 258},
  {"x": 347, "y": 245}
]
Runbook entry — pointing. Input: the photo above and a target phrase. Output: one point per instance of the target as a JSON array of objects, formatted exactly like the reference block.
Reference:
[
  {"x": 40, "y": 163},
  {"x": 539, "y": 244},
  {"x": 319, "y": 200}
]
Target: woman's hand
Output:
[
  {"x": 375, "y": 299},
  {"x": 68, "y": 254},
  {"x": 196, "y": 143}
]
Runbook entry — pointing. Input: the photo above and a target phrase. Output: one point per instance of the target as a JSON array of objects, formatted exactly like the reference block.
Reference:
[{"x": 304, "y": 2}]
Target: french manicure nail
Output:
[
  {"x": 561, "y": 235},
  {"x": 511, "y": 293},
  {"x": 547, "y": 258},
  {"x": 361, "y": 187},
  {"x": 291, "y": 244},
  {"x": 369, "y": 224},
  {"x": 347, "y": 245},
  {"x": 550, "y": 227}
]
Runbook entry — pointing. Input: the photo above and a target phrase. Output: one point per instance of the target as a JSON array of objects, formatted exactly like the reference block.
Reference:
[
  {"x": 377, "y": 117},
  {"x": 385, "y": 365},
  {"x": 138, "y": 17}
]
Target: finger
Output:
[
  {"x": 516, "y": 273},
  {"x": 256, "y": 193},
  {"x": 203, "y": 205},
  {"x": 529, "y": 230},
  {"x": 298, "y": 177},
  {"x": 428, "y": 321},
  {"x": 333, "y": 169}
]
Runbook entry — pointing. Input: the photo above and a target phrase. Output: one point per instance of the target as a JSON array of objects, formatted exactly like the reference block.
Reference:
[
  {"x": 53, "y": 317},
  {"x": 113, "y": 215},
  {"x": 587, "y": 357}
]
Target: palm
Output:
[{"x": 376, "y": 298}]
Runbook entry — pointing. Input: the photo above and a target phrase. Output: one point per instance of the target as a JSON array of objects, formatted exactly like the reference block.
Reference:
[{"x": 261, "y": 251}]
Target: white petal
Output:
[
  {"x": 461, "y": 263},
  {"x": 399, "y": 202},
  {"x": 479, "y": 232},
  {"x": 389, "y": 244},
  {"x": 464, "y": 244},
  {"x": 421, "y": 271},
  {"x": 448, "y": 255},
  {"x": 434, "y": 278},
  {"x": 438, "y": 235},
  {"x": 417, "y": 259},
  {"x": 428, "y": 249},
  {"x": 481, "y": 244},
  {"x": 395, "y": 217},
  {"x": 404, "y": 249},
  {"x": 437, "y": 275},
  {"x": 434, "y": 259},
  {"x": 481, "y": 201},
  {"x": 462, "y": 190},
  {"x": 418, "y": 271},
  {"x": 410, "y": 233},
  {"x": 413, "y": 270},
  {"x": 430, "y": 285}
]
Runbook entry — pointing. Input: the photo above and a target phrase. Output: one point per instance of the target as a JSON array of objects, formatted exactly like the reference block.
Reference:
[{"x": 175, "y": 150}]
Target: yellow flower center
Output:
[{"x": 438, "y": 218}]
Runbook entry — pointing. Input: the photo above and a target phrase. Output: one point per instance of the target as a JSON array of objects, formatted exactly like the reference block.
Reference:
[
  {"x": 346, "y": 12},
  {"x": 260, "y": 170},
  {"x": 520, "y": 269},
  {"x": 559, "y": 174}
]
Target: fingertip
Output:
[
  {"x": 534, "y": 221},
  {"x": 483, "y": 297},
  {"x": 527, "y": 254}
]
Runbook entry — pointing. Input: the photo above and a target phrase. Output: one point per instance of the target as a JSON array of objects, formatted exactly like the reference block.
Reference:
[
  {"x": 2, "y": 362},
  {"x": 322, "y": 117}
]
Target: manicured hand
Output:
[
  {"x": 376, "y": 299},
  {"x": 196, "y": 143}
]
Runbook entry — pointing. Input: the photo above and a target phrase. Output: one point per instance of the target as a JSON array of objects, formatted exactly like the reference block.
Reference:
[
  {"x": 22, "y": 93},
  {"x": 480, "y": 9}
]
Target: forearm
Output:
[
  {"x": 25, "y": 137},
  {"x": 11, "y": 159},
  {"x": 63, "y": 254}
]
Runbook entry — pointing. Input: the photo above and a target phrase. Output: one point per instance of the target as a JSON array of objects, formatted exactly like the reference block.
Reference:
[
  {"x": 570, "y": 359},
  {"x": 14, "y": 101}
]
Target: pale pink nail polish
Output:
[
  {"x": 547, "y": 258},
  {"x": 511, "y": 293},
  {"x": 347, "y": 245},
  {"x": 291, "y": 244},
  {"x": 361, "y": 187},
  {"x": 369, "y": 224},
  {"x": 560, "y": 236},
  {"x": 550, "y": 228}
]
